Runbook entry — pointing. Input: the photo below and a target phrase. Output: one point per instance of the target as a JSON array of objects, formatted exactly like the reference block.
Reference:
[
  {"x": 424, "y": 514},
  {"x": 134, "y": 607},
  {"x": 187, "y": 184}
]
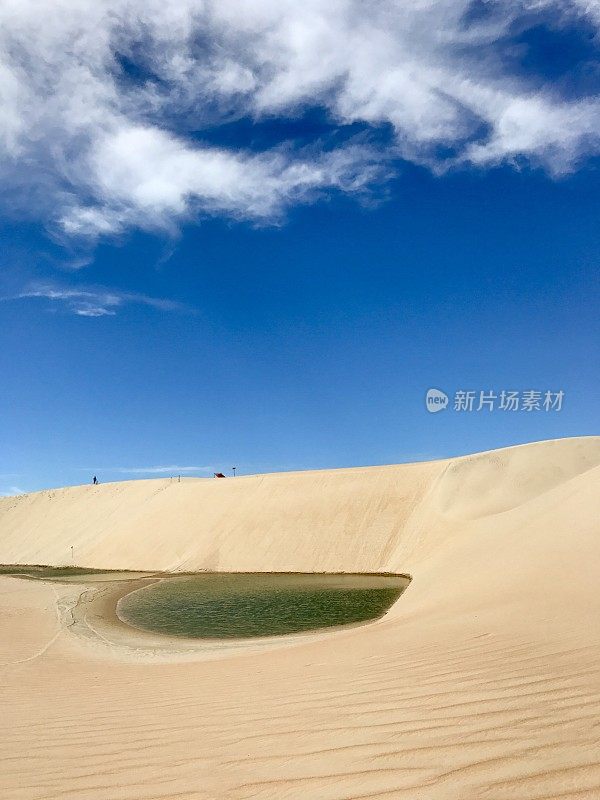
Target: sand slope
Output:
[{"x": 482, "y": 682}]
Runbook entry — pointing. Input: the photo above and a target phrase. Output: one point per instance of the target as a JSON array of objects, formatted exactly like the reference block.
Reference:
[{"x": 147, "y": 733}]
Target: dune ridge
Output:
[{"x": 483, "y": 681}]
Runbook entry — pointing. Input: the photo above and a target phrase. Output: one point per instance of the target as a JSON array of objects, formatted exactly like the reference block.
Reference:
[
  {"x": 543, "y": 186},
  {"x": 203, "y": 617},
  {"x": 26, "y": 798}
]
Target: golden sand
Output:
[{"x": 482, "y": 682}]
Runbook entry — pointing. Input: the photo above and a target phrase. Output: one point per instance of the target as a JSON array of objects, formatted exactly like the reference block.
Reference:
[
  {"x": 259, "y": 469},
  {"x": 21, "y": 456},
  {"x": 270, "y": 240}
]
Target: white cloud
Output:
[
  {"x": 12, "y": 491},
  {"x": 100, "y": 100},
  {"x": 93, "y": 302},
  {"x": 171, "y": 469},
  {"x": 146, "y": 177}
]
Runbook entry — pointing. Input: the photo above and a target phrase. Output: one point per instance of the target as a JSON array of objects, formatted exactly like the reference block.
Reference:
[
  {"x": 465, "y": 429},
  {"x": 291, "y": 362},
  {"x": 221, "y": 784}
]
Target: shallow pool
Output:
[{"x": 230, "y": 605}]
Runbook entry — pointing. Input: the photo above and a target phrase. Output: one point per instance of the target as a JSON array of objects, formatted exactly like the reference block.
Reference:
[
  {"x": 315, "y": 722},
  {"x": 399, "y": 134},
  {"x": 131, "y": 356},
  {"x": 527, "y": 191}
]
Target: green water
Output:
[{"x": 228, "y": 605}]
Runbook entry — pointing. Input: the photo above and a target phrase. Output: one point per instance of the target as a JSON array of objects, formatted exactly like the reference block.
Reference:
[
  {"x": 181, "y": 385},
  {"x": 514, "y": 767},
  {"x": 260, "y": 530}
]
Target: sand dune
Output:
[{"x": 483, "y": 681}]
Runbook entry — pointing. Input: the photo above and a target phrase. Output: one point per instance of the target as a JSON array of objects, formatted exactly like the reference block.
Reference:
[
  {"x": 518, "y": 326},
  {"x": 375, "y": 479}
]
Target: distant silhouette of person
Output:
[{"x": 95, "y": 481}]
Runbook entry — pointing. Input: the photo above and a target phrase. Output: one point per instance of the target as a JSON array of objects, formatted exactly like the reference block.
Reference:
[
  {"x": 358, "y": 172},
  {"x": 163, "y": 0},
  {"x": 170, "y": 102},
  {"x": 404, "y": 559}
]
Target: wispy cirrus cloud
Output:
[
  {"x": 93, "y": 301},
  {"x": 108, "y": 109},
  {"x": 169, "y": 469},
  {"x": 11, "y": 491}
]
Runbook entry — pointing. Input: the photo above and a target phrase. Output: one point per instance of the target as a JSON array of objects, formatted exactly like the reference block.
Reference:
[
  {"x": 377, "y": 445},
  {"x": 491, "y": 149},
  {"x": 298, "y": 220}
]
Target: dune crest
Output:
[{"x": 493, "y": 482}]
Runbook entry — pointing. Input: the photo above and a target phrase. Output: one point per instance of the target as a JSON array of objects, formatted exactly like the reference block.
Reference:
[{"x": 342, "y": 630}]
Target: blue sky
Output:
[{"x": 272, "y": 275}]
